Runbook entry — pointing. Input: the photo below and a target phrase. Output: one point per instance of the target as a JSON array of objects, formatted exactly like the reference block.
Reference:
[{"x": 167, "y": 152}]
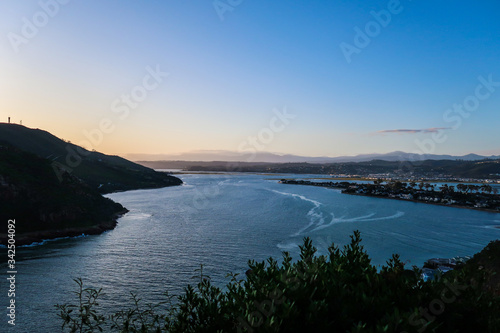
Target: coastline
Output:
[
  {"x": 427, "y": 202},
  {"x": 30, "y": 238},
  {"x": 39, "y": 237},
  {"x": 401, "y": 199}
]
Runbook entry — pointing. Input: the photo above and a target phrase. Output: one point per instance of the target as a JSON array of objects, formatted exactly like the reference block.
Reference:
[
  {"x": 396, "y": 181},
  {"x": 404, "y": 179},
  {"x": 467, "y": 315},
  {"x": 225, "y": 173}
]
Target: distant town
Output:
[
  {"x": 483, "y": 197},
  {"x": 466, "y": 171}
]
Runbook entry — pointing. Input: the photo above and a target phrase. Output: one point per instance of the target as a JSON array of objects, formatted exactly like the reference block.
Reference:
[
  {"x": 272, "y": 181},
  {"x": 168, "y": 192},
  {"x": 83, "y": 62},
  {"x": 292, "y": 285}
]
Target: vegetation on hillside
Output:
[
  {"x": 430, "y": 169},
  {"x": 52, "y": 188},
  {"x": 102, "y": 172},
  {"x": 338, "y": 292},
  {"x": 43, "y": 206}
]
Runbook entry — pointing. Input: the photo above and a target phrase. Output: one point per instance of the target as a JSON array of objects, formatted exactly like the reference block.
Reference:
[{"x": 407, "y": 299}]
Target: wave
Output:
[
  {"x": 288, "y": 246},
  {"x": 45, "y": 241},
  {"x": 316, "y": 203},
  {"x": 366, "y": 218},
  {"x": 137, "y": 215},
  {"x": 223, "y": 182},
  {"x": 315, "y": 215},
  {"x": 494, "y": 227}
]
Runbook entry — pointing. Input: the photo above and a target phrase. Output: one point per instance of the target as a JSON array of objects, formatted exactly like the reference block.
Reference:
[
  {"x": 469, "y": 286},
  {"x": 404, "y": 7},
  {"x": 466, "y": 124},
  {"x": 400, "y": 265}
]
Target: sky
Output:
[{"x": 311, "y": 78}]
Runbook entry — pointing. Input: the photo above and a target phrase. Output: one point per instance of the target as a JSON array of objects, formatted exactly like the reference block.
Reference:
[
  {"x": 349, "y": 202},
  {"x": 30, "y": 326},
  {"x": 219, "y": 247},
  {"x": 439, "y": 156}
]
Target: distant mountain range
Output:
[{"x": 259, "y": 157}]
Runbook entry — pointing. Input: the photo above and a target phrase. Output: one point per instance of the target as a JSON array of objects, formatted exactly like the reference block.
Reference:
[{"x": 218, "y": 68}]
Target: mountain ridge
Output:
[
  {"x": 107, "y": 173},
  {"x": 266, "y": 157}
]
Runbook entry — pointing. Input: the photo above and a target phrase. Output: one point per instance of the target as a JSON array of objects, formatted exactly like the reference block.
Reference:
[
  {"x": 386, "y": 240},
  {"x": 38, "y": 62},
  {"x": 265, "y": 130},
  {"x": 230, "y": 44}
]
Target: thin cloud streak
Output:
[{"x": 412, "y": 131}]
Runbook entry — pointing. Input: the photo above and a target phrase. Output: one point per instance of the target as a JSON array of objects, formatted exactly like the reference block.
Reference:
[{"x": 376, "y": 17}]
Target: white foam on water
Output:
[
  {"x": 365, "y": 218},
  {"x": 288, "y": 246},
  {"x": 315, "y": 215},
  {"x": 494, "y": 227},
  {"x": 301, "y": 231},
  {"x": 317, "y": 218},
  {"x": 316, "y": 203},
  {"x": 223, "y": 182},
  {"x": 44, "y": 241},
  {"x": 398, "y": 214},
  {"x": 136, "y": 215}
]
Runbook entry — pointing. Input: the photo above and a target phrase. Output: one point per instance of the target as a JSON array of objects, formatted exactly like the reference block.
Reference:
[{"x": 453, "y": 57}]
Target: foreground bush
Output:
[{"x": 339, "y": 292}]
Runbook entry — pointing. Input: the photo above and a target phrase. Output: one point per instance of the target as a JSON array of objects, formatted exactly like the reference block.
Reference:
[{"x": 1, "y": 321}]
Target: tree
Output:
[
  {"x": 489, "y": 189},
  {"x": 485, "y": 188},
  {"x": 473, "y": 188},
  {"x": 444, "y": 189}
]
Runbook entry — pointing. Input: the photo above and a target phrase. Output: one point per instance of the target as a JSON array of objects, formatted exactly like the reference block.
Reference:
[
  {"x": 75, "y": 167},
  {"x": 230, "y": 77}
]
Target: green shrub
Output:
[{"x": 339, "y": 292}]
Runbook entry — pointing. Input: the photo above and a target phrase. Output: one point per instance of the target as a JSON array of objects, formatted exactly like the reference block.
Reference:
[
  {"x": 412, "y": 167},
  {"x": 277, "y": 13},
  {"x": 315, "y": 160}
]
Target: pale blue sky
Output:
[{"x": 227, "y": 76}]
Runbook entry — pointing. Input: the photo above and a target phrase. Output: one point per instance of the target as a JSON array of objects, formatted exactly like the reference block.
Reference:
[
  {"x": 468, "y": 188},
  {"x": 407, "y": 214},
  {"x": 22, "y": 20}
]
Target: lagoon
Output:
[{"x": 222, "y": 221}]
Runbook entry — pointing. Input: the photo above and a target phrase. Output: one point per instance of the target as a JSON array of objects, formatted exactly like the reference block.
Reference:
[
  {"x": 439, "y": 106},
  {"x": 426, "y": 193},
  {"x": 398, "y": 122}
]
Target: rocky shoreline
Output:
[{"x": 30, "y": 238}]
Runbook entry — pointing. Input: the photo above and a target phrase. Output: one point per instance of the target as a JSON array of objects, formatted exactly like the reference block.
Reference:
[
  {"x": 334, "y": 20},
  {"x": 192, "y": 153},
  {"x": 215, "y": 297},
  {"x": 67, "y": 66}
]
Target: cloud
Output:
[{"x": 413, "y": 131}]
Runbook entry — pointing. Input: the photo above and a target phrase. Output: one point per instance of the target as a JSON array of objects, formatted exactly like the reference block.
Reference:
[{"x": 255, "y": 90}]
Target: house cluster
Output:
[
  {"x": 341, "y": 185},
  {"x": 472, "y": 196},
  {"x": 464, "y": 196},
  {"x": 434, "y": 267}
]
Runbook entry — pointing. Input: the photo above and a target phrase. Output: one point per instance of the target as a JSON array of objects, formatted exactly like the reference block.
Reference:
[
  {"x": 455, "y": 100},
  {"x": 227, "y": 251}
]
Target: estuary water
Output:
[{"x": 222, "y": 221}]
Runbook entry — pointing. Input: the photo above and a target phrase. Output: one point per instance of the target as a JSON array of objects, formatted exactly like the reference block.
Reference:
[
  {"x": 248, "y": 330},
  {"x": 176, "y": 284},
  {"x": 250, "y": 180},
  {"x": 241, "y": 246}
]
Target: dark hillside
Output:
[
  {"x": 44, "y": 207},
  {"x": 103, "y": 172}
]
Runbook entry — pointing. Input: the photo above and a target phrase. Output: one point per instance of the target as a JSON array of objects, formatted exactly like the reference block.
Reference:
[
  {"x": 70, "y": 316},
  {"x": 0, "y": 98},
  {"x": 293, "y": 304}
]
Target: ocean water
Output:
[{"x": 222, "y": 221}]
